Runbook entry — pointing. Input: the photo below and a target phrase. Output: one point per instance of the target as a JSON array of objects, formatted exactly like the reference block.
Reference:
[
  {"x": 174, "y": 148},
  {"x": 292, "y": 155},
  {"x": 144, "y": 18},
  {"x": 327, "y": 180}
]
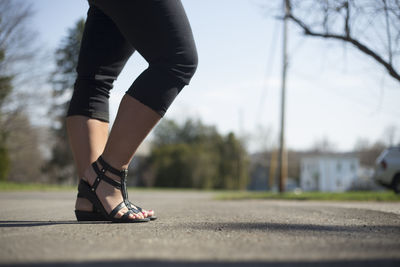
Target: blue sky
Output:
[{"x": 333, "y": 91}]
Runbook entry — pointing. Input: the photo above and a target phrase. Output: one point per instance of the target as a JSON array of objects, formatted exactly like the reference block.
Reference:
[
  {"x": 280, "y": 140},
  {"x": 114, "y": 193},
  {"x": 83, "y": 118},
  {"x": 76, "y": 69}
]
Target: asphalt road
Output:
[{"x": 38, "y": 228}]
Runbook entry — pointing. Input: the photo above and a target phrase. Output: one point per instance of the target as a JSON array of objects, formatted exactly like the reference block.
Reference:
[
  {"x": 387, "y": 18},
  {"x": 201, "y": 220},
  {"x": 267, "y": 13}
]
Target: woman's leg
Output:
[
  {"x": 133, "y": 123},
  {"x": 87, "y": 138},
  {"x": 161, "y": 33},
  {"x": 104, "y": 51},
  {"x": 159, "y": 30}
]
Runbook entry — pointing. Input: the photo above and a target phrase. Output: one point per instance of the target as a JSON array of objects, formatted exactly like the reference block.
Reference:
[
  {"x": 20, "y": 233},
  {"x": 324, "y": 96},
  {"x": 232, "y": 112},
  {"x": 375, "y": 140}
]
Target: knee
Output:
[
  {"x": 90, "y": 98},
  {"x": 182, "y": 65},
  {"x": 189, "y": 63}
]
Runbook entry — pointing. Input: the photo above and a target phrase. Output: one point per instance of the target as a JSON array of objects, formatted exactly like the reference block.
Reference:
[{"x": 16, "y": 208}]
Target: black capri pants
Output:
[{"x": 158, "y": 29}]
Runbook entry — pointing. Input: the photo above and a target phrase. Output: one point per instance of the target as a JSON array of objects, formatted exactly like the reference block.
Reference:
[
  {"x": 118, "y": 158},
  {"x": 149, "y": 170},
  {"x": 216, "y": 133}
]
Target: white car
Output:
[{"x": 387, "y": 168}]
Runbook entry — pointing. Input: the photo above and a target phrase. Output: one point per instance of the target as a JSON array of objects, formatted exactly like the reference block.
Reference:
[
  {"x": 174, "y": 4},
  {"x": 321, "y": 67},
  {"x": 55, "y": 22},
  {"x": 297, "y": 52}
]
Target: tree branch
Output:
[
  {"x": 362, "y": 47},
  {"x": 389, "y": 37}
]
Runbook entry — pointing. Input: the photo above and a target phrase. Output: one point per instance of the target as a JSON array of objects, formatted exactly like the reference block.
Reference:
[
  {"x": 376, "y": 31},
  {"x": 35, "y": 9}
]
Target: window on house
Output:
[
  {"x": 352, "y": 167},
  {"x": 339, "y": 166},
  {"x": 315, "y": 177}
]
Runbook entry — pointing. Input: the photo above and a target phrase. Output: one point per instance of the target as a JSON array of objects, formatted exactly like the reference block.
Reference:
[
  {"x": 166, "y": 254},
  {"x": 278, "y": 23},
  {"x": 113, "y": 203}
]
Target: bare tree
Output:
[
  {"x": 18, "y": 83},
  {"x": 371, "y": 26},
  {"x": 367, "y": 151},
  {"x": 23, "y": 57},
  {"x": 25, "y": 156},
  {"x": 323, "y": 145},
  {"x": 390, "y": 135}
]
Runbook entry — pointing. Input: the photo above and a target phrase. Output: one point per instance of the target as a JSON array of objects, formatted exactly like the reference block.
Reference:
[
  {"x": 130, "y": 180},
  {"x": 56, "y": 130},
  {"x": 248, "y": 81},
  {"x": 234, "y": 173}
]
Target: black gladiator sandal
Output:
[
  {"x": 94, "y": 215},
  {"x": 124, "y": 190},
  {"x": 89, "y": 192}
]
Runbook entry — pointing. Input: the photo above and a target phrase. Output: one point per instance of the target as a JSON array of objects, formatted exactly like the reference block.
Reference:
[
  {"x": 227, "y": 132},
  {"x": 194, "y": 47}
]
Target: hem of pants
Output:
[
  {"x": 160, "y": 112},
  {"x": 101, "y": 116}
]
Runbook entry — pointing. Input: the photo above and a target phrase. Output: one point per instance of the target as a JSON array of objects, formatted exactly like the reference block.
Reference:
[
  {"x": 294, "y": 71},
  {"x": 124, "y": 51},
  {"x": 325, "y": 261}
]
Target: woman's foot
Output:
[
  {"x": 83, "y": 204},
  {"x": 109, "y": 196},
  {"x": 146, "y": 213}
]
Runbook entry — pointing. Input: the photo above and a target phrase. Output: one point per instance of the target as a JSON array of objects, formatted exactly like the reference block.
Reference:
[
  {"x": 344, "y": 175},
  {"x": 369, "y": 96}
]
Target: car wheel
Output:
[{"x": 396, "y": 183}]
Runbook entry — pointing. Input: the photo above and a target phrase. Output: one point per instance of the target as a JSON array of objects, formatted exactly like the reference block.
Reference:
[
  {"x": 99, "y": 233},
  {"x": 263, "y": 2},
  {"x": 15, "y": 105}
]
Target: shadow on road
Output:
[
  {"x": 9, "y": 224},
  {"x": 151, "y": 263},
  {"x": 236, "y": 226},
  {"x": 243, "y": 226}
]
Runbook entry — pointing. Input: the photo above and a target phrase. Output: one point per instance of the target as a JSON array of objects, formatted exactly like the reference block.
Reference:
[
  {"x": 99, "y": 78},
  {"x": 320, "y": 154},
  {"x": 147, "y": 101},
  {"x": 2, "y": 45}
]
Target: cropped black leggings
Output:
[{"x": 158, "y": 29}]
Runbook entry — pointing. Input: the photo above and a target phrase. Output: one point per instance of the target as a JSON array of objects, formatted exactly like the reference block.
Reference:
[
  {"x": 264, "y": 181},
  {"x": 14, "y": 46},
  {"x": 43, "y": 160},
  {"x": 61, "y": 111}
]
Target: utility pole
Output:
[{"x": 282, "y": 155}]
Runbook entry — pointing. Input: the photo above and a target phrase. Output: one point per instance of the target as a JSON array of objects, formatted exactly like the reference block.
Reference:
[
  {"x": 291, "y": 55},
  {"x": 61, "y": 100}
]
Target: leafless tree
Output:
[
  {"x": 25, "y": 156},
  {"x": 20, "y": 80},
  {"x": 367, "y": 151},
  {"x": 371, "y": 26},
  {"x": 23, "y": 58},
  {"x": 323, "y": 145},
  {"x": 390, "y": 136}
]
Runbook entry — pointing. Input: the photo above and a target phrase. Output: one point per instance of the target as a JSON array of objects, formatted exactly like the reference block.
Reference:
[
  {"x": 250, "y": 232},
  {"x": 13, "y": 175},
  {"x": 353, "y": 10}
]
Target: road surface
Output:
[{"x": 193, "y": 229}]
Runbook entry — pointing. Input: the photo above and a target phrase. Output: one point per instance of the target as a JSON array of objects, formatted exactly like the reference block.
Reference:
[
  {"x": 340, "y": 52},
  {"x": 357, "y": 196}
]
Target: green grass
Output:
[
  {"x": 321, "y": 196},
  {"x": 12, "y": 186},
  {"x": 387, "y": 196}
]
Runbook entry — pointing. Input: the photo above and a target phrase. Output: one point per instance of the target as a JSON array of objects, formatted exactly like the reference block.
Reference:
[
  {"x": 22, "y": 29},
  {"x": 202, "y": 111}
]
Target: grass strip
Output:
[
  {"x": 13, "y": 186},
  {"x": 384, "y": 196}
]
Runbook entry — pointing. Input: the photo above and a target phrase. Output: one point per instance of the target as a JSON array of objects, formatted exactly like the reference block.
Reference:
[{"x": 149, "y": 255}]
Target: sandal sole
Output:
[
  {"x": 88, "y": 216},
  {"x": 86, "y": 190}
]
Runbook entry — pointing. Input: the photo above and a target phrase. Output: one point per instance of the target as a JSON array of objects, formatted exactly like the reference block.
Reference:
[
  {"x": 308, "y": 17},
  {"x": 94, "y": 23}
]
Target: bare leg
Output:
[
  {"x": 133, "y": 123},
  {"x": 87, "y": 138}
]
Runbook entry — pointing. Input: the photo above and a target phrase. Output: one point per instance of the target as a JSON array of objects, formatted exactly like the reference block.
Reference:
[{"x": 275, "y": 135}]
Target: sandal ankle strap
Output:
[
  {"x": 108, "y": 167},
  {"x": 102, "y": 177}
]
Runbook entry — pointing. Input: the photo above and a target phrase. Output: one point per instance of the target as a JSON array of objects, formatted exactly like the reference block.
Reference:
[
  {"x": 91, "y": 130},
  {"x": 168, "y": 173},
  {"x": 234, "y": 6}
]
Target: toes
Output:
[
  {"x": 119, "y": 214},
  {"x": 141, "y": 216},
  {"x": 148, "y": 213},
  {"x": 122, "y": 212},
  {"x": 131, "y": 216}
]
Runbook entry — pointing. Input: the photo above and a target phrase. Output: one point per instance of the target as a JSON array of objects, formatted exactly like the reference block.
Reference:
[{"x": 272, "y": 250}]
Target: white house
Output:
[{"x": 333, "y": 173}]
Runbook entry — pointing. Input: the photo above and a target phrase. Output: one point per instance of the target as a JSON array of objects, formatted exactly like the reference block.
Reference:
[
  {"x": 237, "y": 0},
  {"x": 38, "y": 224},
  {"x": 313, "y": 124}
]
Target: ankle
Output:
[
  {"x": 115, "y": 172},
  {"x": 114, "y": 162},
  {"x": 102, "y": 166},
  {"x": 89, "y": 175}
]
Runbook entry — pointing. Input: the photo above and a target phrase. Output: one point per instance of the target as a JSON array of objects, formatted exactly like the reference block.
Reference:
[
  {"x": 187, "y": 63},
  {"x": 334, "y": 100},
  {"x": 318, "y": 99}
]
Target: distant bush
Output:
[
  {"x": 194, "y": 155},
  {"x": 4, "y": 163}
]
